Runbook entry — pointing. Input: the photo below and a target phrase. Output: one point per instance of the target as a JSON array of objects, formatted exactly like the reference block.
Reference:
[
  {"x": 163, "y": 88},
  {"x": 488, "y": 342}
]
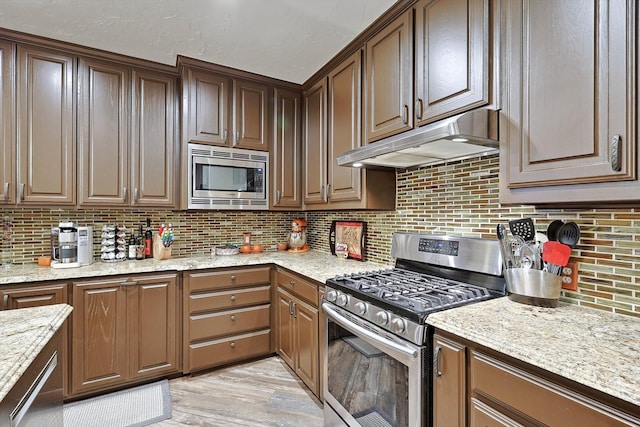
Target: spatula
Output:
[{"x": 556, "y": 255}]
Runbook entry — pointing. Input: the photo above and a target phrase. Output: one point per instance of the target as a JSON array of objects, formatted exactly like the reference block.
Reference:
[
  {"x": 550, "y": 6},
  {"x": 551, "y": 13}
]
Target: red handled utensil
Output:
[{"x": 556, "y": 255}]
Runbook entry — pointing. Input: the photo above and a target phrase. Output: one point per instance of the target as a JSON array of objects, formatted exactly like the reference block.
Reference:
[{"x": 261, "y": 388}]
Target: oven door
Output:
[{"x": 372, "y": 378}]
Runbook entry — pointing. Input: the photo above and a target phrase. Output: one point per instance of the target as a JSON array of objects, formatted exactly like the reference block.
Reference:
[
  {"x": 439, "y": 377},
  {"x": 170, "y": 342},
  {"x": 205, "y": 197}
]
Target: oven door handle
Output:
[{"x": 404, "y": 350}]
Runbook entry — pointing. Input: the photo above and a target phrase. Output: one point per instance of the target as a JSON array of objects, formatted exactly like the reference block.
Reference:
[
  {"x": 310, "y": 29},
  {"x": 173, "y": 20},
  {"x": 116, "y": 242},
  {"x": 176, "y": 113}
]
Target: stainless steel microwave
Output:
[{"x": 227, "y": 178}]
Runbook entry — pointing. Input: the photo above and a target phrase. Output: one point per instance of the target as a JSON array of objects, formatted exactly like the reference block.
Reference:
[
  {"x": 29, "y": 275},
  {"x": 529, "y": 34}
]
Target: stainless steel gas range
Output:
[{"x": 378, "y": 344}]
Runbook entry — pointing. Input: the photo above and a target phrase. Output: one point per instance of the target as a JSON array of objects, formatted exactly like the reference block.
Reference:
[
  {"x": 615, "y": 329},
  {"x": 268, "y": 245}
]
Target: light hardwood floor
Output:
[{"x": 256, "y": 394}]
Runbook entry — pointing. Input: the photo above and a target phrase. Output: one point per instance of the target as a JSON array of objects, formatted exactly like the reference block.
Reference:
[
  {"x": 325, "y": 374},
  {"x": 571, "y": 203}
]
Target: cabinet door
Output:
[
  {"x": 389, "y": 80},
  {"x": 286, "y": 158},
  {"x": 154, "y": 140},
  {"x": 250, "y": 120},
  {"x": 306, "y": 343},
  {"x": 452, "y": 57},
  {"x": 33, "y": 296},
  {"x": 46, "y": 122},
  {"x": 315, "y": 143},
  {"x": 207, "y": 107},
  {"x": 154, "y": 331},
  {"x": 103, "y": 133},
  {"x": 570, "y": 98},
  {"x": 284, "y": 317},
  {"x": 7, "y": 123},
  {"x": 344, "y": 113},
  {"x": 449, "y": 385},
  {"x": 99, "y": 350}
]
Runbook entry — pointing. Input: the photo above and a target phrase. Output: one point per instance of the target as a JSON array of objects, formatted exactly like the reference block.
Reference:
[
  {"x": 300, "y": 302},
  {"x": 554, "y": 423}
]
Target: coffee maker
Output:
[{"x": 64, "y": 245}]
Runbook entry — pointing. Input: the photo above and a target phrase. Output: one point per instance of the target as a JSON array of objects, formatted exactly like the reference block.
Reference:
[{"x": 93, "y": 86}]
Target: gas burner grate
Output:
[{"x": 413, "y": 291}]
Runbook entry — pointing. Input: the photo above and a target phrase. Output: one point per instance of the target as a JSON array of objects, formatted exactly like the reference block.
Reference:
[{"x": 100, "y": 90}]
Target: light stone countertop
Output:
[
  {"x": 23, "y": 335},
  {"x": 598, "y": 349},
  {"x": 318, "y": 266}
]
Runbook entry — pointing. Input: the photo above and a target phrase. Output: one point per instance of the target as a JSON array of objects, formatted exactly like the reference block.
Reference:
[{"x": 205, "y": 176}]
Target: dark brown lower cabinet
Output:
[
  {"x": 36, "y": 295},
  {"x": 297, "y": 316},
  {"x": 227, "y": 316},
  {"x": 125, "y": 329},
  {"x": 489, "y": 389}
]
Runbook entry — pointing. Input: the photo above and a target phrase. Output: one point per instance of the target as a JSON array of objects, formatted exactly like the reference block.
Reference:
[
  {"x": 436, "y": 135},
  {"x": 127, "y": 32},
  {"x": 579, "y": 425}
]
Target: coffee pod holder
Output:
[
  {"x": 160, "y": 251},
  {"x": 533, "y": 287}
]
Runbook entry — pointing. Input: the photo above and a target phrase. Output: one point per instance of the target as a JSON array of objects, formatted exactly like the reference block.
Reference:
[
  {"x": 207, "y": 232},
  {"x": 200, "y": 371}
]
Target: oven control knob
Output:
[
  {"x": 397, "y": 325},
  {"x": 382, "y": 318},
  {"x": 361, "y": 308},
  {"x": 342, "y": 300},
  {"x": 331, "y": 296}
]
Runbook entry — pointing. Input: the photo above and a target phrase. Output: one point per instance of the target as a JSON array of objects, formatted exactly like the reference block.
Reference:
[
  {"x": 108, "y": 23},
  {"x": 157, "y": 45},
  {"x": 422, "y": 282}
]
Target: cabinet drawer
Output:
[
  {"x": 218, "y": 352},
  {"x": 198, "y": 281},
  {"x": 229, "y": 299},
  {"x": 298, "y": 286},
  {"x": 513, "y": 388},
  {"x": 228, "y": 322}
]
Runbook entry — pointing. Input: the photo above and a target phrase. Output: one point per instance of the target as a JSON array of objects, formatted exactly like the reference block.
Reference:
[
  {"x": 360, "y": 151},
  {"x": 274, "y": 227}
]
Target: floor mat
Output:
[{"x": 133, "y": 407}]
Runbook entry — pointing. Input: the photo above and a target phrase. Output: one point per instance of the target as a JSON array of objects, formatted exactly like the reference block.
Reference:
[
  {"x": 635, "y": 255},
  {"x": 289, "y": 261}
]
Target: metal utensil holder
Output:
[{"x": 533, "y": 287}]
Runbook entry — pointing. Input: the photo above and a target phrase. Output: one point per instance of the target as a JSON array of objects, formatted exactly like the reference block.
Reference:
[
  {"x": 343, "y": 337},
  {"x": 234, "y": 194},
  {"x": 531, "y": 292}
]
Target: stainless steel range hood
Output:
[{"x": 471, "y": 134}]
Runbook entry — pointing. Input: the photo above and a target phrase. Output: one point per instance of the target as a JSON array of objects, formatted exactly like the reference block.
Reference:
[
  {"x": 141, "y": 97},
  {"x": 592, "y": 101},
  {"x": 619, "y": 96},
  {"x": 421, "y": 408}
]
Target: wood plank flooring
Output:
[{"x": 261, "y": 393}]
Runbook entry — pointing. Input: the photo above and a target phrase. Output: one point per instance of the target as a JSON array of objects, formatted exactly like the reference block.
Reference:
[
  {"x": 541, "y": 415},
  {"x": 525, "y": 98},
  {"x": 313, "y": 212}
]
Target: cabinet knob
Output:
[
  {"x": 233, "y": 277},
  {"x": 233, "y": 298},
  {"x": 233, "y": 317},
  {"x": 232, "y": 344},
  {"x": 292, "y": 282}
]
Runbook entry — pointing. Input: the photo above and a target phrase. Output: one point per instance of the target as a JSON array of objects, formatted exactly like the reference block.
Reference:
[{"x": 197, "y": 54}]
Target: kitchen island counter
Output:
[
  {"x": 23, "y": 335},
  {"x": 315, "y": 265},
  {"x": 591, "y": 347}
]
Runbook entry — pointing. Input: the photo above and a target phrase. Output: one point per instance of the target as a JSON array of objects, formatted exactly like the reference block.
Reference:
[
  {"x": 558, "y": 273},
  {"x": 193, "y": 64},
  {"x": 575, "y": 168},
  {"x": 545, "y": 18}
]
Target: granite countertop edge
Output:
[
  {"x": 23, "y": 335},
  {"x": 315, "y": 265},
  {"x": 588, "y": 346}
]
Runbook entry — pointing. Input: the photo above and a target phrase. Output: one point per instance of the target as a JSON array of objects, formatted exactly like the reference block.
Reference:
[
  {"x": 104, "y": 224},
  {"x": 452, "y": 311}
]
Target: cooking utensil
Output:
[
  {"x": 507, "y": 255},
  {"x": 553, "y": 229},
  {"x": 515, "y": 244},
  {"x": 569, "y": 234},
  {"x": 530, "y": 257},
  {"x": 524, "y": 228},
  {"x": 556, "y": 255}
]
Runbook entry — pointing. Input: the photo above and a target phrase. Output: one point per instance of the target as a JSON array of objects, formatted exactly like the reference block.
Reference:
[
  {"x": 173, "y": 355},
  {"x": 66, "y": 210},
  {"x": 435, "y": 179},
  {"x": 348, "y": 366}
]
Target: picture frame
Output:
[{"x": 353, "y": 234}]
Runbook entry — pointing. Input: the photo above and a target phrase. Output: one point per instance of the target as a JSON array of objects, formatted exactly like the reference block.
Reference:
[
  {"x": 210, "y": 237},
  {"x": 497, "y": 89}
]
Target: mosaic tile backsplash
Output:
[{"x": 460, "y": 198}]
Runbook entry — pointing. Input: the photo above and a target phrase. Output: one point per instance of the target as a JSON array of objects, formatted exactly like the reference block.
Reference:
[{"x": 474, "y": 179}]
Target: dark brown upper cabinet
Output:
[
  {"x": 569, "y": 121},
  {"x": 126, "y": 140},
  {"x": 251, "y": 115},
  {"x": 452, "y": 45},
  {"x": 286, "y": 153},
  {"x": 104, "y": 112},
  {"x": 7, "y": 123},
  {"x": 46, "y": 126},
  {"x": 449, "y": 73},
  {"x": 225, "y": 111},
  {"x": 208, "y": 106},
  {"x": 389, "y": 80}
]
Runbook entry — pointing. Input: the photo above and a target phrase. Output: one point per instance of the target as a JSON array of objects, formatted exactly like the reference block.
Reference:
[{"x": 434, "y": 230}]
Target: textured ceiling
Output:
[{"x": 285, "y": 39}]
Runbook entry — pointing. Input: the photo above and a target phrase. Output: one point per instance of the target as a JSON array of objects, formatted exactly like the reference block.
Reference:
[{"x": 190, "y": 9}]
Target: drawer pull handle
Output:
[
  {"x": 233, "y": 298},
  {"x": 405, "y": 114},
  {"x": 233, "y": 317},
  {"x": 436, "y": 362},
  {"x": 5, "y": 302},
  {"x": 419, "y": 109},
  {"x": 232, "y": 344},
  {"x": 129, "y": 283},
  {"x": 233, "y": 277}
]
